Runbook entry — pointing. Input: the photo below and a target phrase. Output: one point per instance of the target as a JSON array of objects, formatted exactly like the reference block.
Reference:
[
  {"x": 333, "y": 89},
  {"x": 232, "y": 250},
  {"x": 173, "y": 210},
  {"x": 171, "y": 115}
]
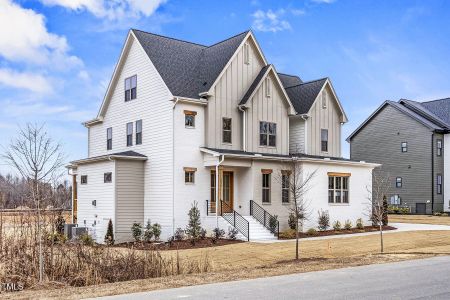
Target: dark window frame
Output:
[
  {"x": 285, "y": 188},
  {"x": 398, "y": 183},
  {"x": 267, "y": 134},
  {"x": 338, "y": 189},
  {"x": 324, "y": 142},
  {"x": 404, "y": 147},
  {"x": 107, "y": 177},
  {"x": 189, "y": 177},
  {"x": 439, "y": 147},
  {"x": 84, "y": 179},
  {"x": 130, "y": 88},
  {"x": 109, "y": 138},
  {"x": 189, "y": 121},
  {"x": 266, "y": 188},
  {"x": 129, "y": 134},
  {"x": 439, "y": 184},
  {"x": 138, "y": 132},
  {"x": 227, "y": 133}
]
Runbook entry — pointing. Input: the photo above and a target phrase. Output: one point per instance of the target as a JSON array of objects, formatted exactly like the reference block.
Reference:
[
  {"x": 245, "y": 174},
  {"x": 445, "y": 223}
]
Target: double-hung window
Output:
[
  {"x": 139, "y": 132},
  {"x": 324, "y": 140},
  {"x": 395, "y": 200},
  {"x": 107, "y": 177},
  {"x": 84, "y": 179},
  {"x": 130, "y": 134},
  {"x": 338, "y": 189},
  {"x": 109, "y": 138},
  {"x": 398, "y": 182},
  {"x": 266, "y": 185},
  {"x": 131, "y": 88},
  {"x": 267, "y": 134},
  {"x": 439, "y": 184},
  {"x": 226, "y": 130},
  {"x": 404, "y": 147},
  {"x": 189, "y": 175},
  {"x": 285, "y": 183},
  {"x": 439, "y": 147}
]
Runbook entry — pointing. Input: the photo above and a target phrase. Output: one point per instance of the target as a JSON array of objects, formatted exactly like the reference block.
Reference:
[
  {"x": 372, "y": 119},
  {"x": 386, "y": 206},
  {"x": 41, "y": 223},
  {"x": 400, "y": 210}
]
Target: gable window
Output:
[
  {"x": 439, "y": 147},
  {"x": 398, "y": 182},
  {"x": 266, "y": 185},
  {"x": 324, "y": 140},
  {"x": 395, "y": 200},
  {"x": 268, "y": 87},
  {"x": 324, "y": 99},
  {"x": 338, "y": 188},
  {"x": 109, "y": 138},
  {"x": 285, "y": 183},
  {"x": 226, "y": 130},
  {"x": 83, "y": 179},
  {"x": 130, "y": 134},
  {"x": 130, "y": 88},
  {"x": 189, "y": 118},
  {"x": 246, "y": 53},
  {"x": 107, "y": 177},
  {"x": 267, "y": 134},
  {"x": 404, "y": 147},
  {"x": 189, "y": 175},
  {"x": 139, "y": 132},
  {"x": 439, "y": 184}
]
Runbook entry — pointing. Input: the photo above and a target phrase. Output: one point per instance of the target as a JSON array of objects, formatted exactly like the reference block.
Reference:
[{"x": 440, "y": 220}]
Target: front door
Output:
[{"x": 227, "y": 195}]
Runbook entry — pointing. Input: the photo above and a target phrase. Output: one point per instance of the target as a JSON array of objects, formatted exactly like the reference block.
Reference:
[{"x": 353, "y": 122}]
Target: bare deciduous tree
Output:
[
  {"x": 39, "y": 159},
  {"x": 297, "y": 183}
]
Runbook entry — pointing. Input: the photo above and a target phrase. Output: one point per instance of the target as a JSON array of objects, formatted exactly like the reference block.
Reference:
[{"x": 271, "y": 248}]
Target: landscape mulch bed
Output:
[
  {"x": 177, "y": 245},
  {"x": 334, "y": 232}
]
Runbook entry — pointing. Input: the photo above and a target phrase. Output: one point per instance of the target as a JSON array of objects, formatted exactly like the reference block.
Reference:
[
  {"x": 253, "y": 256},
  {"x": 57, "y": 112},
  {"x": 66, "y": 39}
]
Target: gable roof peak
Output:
[{"x": 168, "y": 37}]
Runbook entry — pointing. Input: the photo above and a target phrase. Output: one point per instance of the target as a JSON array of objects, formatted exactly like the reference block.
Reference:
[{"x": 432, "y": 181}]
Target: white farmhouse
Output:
[{"x": 217, "y": 125}]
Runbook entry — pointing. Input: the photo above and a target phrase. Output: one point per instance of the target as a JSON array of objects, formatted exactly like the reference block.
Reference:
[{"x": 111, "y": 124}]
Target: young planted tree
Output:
[
  {"x": 39, "y": 160},
  {"x": 296, "y": 183},
  {"x": 194, "y": 228},
  {"x": 109, "y": 236}
]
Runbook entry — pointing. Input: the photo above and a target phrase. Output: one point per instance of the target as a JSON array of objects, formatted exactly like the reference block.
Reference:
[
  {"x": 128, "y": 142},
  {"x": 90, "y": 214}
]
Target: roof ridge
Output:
[
  {"x": 306, "y": 82},
  {"x": 170, "y": 38},
  {"x": 227, "y": 39},
  {"x": 288, "y": 74}
]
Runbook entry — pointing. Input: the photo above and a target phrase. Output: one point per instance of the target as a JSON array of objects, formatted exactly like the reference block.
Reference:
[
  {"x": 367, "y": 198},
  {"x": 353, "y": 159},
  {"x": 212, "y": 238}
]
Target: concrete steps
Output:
[{"x": 257, "y": 231}]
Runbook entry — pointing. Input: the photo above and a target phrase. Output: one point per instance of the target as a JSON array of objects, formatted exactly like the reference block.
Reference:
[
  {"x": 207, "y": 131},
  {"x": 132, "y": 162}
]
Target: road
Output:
[{"x": 415, "y": 279}]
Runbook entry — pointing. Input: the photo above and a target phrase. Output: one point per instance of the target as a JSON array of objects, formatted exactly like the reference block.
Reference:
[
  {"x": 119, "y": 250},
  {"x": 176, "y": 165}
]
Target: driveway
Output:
[{"x": 416, "y": 279}]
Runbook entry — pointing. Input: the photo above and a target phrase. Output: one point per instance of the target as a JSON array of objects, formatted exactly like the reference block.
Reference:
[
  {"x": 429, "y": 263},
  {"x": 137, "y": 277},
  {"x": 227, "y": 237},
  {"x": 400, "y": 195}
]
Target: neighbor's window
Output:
[
  {"x": 395, "y": 200},
  {"x": 109, "y": 138},
  {"x": 130, "y": 88},
  {"x": 439, "y": 183},
  {"x": 266, "y": 187},
  {"x": 226, "y": 130},
  {"x": 439, "y": 147},
  {"x": 404, "y": 147},
  {"x": 189, "y": 175},
  {"x": 246, "y": 53},
  {"x": 338, "y": 189},
  {"x": 324, "y": 140},
  {"x": 285, "y": 181},
  {"x": 83, "y": 179},
  {"x": 189, "y": 118},
  {"x": 268, "y": 87},
  {"x": 398, "y": 182},
  {"x": 139, "y": 132},
  {"x": 107, "y": 177},
  {"x": 267, "y": 134},
  {"x": 130, "y": 134}
]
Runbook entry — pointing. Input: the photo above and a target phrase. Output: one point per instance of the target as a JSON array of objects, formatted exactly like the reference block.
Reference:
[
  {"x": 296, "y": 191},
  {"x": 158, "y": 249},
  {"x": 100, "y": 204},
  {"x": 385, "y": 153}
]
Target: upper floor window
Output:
[
  {"x": 130, "y": 134},
  {"x": 338, "y": 189},
  {"x": 266, "y": 185},
  {"x": 398, "y": 182},
  {"x": 267, "y": 134},
  {"x": 439, "y": 183},
  {"x": 139, "y": 132},
  {"x": 395, "y": 200},
  {"x": 439, "y": 147},
  {"x": 226, "y": 130},
  {"x": 404, "y": 147},
  {"x": 324, "y": 140},
  {"x": 285, "y": 183},
  {"x": 324, "y": 99},
  {"x": 107, "y": 177},
  {"x": 268, "y": 87},
  {"x": 189, "y": 175},
  {"x": 83, "y": 179},
  {"x": 246, "y": 53},
  {"x": 130, "y": 88},
  {"x": 109, "y": 138},
  {"x": 189, "y": 118}
]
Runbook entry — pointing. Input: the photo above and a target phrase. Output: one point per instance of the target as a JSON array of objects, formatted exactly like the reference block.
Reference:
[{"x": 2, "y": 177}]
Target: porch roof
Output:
[{"x": 127, "y": 155}]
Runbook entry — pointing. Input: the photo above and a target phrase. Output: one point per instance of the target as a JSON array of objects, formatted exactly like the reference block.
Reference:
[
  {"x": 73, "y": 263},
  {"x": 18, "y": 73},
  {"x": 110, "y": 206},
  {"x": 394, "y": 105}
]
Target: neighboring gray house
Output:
[{"x": 411, "y": 140}]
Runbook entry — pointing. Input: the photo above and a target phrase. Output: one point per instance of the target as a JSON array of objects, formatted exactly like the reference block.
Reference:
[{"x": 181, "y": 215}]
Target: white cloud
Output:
[
  {"x": 29, "y": 81},
  {"x": 324, "y": 1},
  {"x": 84, "y": 75},
  {"x": 270, "y": 21},
  {"x": 297, "y": 12},
  {"x": 112, "y": 10}
]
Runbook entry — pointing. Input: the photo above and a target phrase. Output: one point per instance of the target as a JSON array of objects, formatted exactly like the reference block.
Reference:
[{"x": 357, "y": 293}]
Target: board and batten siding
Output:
[
  {"x": 227, "y": 94},
  {"x": 272, "y": 109},
  {"x": 296, "y": 135},
  {"x": 324, "y": 118},
  {"x": 379, "y": 141},
  {"x": 129, "y": 180},
  {"x": 154, "y": 108}
]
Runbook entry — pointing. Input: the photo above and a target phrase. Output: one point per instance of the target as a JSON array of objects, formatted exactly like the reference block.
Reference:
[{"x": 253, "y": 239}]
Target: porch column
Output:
[{"x": 219, "y": 190}]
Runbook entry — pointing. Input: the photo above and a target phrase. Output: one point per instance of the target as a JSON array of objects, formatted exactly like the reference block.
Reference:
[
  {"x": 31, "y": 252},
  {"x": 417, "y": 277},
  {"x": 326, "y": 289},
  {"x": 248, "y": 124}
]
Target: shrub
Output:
[
  {"x": 109, "y": 236},
  {"x": 359, "y": 224},
  {"x": 348, "y": 225},
  {"x": 232, "y": 233},
  {"x": 86, "y": 239},
  {"x": 194, "y": 226},
  {"x": 59, "y": 224},
  {"x": 148, "y": 232},
  {"x": 217, "y": 234},
  {"x": 437, "y": 214},
  {"x": 156, "y": 228},
  {"x": 291, "y": 221},
  {"x": 136, "y": 230},
  {"x": 323, "y": 220},
  {"x": 337, "y": 226},
  {"x": 287, "y": 234},
  {"x": 273, "y": 223},
  {"x": 404, "y": 210},
  {"x": 392, "y": 209},
  {"x": 179, "y": 234},
  {"x": 203, "y": 233},
  {"x": 311, "y": 231}
]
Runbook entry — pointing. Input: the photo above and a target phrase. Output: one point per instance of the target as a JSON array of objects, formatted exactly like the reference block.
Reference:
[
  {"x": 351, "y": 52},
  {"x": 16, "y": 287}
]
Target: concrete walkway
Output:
[{"x": 401, "y": 227}]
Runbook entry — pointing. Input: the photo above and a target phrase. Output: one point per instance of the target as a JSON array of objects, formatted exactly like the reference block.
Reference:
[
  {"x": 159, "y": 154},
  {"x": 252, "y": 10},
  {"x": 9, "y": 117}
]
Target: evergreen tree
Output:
[
  {"x": 109, "y": 237},
  {"x": 193, "y": 229}
]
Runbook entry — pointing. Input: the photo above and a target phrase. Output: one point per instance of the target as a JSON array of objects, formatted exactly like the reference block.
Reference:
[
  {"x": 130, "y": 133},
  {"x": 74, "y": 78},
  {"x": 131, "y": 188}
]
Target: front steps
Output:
[{"x": 258, "y": 232}]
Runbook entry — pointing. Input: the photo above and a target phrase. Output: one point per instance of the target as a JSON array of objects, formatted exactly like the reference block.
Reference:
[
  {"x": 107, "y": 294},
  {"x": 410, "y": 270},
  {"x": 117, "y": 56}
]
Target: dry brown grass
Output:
[
  {"x": 252, "y": 260},
  {"x": 420, "y": 219}
]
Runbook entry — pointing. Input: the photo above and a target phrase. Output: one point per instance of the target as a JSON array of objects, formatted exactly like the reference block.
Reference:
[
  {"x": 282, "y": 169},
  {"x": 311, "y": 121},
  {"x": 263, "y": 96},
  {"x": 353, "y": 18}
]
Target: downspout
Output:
[
  {"x": 244, "y": 128},
  {"x": 217, "y": 189},
  {"x": 173, "y": 164},
  {"x": 432, "y": 173}
]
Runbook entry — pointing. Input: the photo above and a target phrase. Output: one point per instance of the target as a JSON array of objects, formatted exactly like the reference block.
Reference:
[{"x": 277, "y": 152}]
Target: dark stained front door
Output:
[{"x": 227, "y": 192}]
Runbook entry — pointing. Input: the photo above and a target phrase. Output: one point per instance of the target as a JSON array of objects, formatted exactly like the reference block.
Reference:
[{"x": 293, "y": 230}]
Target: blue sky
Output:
[{"x": 57, "y": 56}]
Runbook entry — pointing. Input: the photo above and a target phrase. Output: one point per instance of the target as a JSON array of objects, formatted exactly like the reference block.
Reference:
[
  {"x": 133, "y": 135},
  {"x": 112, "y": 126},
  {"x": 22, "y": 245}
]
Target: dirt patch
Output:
[
  {"x": 177, "y": 245},
  {"x": 290, "y": 234}
]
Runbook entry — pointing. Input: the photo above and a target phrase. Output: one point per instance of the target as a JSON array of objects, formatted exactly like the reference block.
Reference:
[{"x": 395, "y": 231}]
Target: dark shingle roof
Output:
[
  {"x": 187, "y": 68},
  {"x": 422, "y": 109},
  {"x": 253, "y": 86},
  {"x": 128, "y": 153},
  {"x": 441, "y": 108},
  {"x": 303, "y": 95},
  {"x": 289, "y": 80}
]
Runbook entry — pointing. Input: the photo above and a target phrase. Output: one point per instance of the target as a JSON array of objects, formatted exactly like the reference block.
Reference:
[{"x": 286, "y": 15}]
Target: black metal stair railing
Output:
[
  {"x": 263, "y": 217},
  {"x": 235, "y": 219},
  {"x": 210, "y": 207}
]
